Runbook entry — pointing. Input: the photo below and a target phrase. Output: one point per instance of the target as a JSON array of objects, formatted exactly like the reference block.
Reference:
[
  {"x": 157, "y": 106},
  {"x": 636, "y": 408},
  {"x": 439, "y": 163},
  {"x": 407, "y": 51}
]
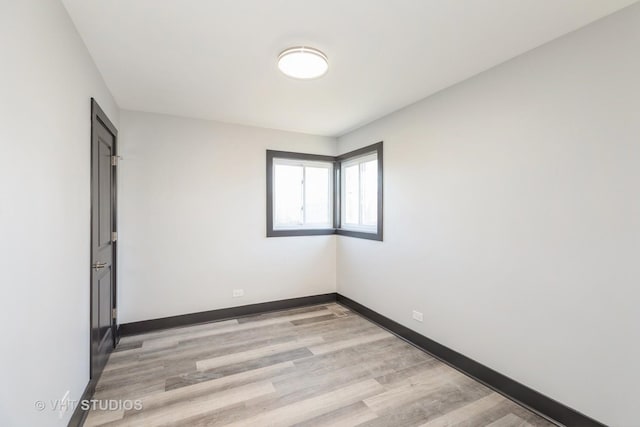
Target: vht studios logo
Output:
[{"x": 89, "y": 405}]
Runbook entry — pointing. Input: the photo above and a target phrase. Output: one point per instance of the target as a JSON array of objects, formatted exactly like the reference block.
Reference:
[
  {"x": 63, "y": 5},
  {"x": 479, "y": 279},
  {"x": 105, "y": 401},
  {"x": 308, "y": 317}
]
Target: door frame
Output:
[{"x": 99, "y": 117}]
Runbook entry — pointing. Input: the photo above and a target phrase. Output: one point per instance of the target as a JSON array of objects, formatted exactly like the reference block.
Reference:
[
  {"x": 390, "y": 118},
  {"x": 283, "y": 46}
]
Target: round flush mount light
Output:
[{"x": 303, "y": 62}]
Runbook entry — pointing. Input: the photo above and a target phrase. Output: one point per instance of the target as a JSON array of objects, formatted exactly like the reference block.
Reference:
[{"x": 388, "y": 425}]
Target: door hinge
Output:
[
  {"x": 114, "y": 160},
  {"x": 114, "y": 236},
  {"x": 114, "y": 313}
]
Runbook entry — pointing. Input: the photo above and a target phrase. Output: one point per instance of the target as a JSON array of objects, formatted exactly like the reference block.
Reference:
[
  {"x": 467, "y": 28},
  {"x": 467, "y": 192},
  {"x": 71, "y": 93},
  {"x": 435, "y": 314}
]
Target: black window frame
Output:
[
  {"x": 337, "y": 208},
  {"x": 273, "y": 154},
  {"x": 337, "y": 165}
]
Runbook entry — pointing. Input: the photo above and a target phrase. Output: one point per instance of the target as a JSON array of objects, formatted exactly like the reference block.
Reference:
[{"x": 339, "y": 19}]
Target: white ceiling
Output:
[{"x": 216, "y": 59}]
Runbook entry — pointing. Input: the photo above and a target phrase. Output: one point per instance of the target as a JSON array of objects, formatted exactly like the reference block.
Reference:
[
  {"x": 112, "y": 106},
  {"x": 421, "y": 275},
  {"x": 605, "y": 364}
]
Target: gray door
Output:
[{"x": 103, "y": 239}]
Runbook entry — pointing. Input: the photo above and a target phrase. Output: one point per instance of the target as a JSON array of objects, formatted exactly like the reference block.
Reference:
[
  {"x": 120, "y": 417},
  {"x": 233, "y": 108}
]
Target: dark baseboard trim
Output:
[
  {"x": 79, "y": 414},
  {"x": 135, "y": 328},
  {"x": 520, "y": 393}
]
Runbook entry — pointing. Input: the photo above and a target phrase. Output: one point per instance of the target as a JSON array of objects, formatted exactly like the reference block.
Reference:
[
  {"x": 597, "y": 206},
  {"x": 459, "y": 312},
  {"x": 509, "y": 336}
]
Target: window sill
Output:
[
  {"x": 301, "y": 232},
  {"x": 324, "y": 232},
  {"x": 360, "y": 234}
]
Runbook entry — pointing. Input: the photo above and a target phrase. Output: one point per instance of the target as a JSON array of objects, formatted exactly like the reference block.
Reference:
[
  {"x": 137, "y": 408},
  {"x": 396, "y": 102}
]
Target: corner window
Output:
[{"x": 309, "y": 194}]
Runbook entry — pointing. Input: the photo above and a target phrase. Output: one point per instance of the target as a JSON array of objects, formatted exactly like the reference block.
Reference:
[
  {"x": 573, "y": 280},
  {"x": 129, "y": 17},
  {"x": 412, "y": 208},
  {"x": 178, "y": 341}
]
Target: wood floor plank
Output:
[
  {"x": 351, "y": 342},
  {"x": 99, "y": 417},
  {"x": 314, "y": 319},
  {"x": 510, "y": 420},
  {"x": 313, "y": 407},
  {"x": 346, "y": 366},
  {"x": 244, "y": 356},
  {"x": 270, "y": 359},
  {"x": 352, "y": 415},
  {"x": 200, "y": 351},
  {"x": 189, "y": 392},
  {"x": 412, "y": 389},
  {"x": 503, "y": 408},
  {"x": 443, "y": 399},
  {"x": 182, "y": 330},
  {"x": 129, "y": 390},
  {"x": 466, "y": 412},
  {"x": 194, "y": 406},
  {"x": 280, "y": 313}
]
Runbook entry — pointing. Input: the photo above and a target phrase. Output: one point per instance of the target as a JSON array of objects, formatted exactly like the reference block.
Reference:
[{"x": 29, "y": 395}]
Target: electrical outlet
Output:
[
  {"x": 63, "y": 404},
  {"x": 417, "y": 316},
  {"x": 238, "y": 293}
]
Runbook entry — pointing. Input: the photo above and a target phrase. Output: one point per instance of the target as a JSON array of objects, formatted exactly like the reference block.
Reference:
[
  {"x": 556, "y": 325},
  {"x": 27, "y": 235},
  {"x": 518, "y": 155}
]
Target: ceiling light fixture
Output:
[{"x": 303, "y": 62}]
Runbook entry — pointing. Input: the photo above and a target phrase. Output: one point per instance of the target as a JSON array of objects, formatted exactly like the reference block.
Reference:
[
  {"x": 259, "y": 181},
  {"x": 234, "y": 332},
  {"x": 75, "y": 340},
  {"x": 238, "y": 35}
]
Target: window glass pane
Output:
[
  {"x": 317, "y": 190},
  {"x": 351, "y": 194},
  {"x": 369, "y": 188},
  {"x": 287, "y": 193}
]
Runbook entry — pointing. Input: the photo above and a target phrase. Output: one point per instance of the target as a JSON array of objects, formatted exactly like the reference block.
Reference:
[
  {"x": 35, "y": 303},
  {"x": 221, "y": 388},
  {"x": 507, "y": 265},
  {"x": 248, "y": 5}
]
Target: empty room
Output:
[{"x": 379, "y": 213}]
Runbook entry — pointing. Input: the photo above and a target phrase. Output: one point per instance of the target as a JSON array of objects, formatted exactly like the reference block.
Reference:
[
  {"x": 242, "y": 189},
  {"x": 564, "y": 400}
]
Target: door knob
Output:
[{"x": 99, "y": 265}]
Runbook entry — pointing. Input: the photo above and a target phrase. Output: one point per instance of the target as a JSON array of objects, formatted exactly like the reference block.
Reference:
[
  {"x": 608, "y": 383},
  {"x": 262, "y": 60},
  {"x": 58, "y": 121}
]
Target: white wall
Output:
[
  {"x": 512, "y": 219},
  {"x": 46, "y": 81},
  {"x": 192, "y": 225}
]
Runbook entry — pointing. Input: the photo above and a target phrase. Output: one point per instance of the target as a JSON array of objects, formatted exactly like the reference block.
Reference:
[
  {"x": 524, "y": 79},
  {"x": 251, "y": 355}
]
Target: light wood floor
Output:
[{"x": 315, "y": 366}]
